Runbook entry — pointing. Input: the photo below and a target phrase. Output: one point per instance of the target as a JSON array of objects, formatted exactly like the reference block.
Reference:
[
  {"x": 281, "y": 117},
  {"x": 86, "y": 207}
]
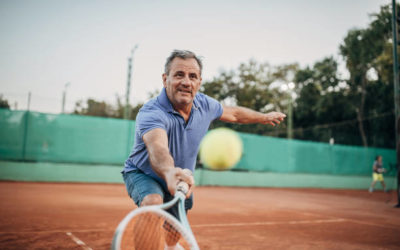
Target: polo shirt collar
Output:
[
  {"x": 166, "y": 104},
  {"x": 162, "y": 98}
]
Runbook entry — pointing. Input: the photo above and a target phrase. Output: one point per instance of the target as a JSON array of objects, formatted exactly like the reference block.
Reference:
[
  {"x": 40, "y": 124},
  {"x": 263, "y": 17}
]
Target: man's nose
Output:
[{"x": 186, "y": 81}]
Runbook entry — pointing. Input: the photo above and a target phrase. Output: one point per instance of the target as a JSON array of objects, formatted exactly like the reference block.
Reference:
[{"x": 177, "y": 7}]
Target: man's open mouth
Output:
[{"x": 185, "y": 91}]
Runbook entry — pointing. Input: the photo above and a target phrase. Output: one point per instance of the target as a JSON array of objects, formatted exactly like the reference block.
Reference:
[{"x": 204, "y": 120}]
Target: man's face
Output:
[{"x": 183, "y": 81}]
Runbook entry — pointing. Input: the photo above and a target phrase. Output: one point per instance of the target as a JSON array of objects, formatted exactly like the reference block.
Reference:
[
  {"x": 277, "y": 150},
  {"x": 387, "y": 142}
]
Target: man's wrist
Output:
[{"x": 163, "y": 171}]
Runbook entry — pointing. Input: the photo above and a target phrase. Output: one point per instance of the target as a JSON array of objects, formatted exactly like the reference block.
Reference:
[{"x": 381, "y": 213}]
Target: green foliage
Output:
[
  {"x": 94, "y": 108},
  {"x": 364, "y": 50},
  {"x": 103, "y": 109},
  {"x": 320, "y": 101},
  {"x": 354, "y": 111},
  {"x": 253, "y": 85},
  {"x": 4, "y": 103}
]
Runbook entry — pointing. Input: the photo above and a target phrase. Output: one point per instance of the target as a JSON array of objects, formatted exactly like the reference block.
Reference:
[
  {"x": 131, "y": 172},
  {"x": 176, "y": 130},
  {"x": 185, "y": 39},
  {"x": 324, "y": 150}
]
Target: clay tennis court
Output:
[{"x": 84, "y": 216}]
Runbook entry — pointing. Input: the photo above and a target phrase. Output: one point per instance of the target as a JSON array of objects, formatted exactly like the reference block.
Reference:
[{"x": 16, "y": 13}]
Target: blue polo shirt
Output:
[{"x": 183, "y": 138}]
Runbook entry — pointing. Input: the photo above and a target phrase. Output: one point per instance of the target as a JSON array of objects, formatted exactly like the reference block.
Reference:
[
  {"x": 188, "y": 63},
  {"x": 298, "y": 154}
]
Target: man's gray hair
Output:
[{"x": 183, "y": 54}]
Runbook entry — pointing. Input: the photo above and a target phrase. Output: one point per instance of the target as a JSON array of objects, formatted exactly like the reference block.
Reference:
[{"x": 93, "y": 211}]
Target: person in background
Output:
[{"x": 377, "y": 174}]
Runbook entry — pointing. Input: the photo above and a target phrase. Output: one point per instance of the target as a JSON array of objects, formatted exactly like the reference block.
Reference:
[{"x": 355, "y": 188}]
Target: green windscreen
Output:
[
  {"x": 33, "y": 136},
  {"x": 287, "y": 156},
  {"x": 12, "y": 134}
]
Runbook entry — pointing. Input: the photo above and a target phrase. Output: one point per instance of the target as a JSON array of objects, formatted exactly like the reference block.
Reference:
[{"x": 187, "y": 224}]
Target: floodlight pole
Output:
[
  {"x": 128, "y": 84},
  {"x": 28, "y": 107},
  {"x": 290, "y": 87},
  {"x": 64, "y": 97},
  {"x": 396, "y": 94},
  {"x": 290, "y": 118},
  {"x": 26, "y": 123}
]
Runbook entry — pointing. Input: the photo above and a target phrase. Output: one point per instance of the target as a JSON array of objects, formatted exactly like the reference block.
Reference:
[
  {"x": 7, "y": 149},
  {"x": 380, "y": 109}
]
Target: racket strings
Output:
[{"x": 151, "y": 231}]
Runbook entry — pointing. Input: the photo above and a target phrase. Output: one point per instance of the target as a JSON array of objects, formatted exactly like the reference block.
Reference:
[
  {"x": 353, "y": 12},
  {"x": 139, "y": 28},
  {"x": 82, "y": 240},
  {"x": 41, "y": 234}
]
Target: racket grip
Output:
[{"x": 183, "y": 186}]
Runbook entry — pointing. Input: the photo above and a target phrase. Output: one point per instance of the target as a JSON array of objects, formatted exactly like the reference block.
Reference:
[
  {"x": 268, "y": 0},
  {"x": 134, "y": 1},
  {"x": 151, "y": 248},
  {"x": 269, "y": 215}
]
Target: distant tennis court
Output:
[{"x": 84, "y": 216}]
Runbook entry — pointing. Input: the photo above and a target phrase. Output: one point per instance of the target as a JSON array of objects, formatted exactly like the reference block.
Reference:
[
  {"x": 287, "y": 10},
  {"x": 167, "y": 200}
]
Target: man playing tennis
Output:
[{"x": 169, "y": 129}]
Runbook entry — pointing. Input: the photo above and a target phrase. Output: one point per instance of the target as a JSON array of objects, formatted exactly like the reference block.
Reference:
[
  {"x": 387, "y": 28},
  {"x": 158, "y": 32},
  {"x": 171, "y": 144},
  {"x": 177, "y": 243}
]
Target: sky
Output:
[{"x": 46, "y": 44}]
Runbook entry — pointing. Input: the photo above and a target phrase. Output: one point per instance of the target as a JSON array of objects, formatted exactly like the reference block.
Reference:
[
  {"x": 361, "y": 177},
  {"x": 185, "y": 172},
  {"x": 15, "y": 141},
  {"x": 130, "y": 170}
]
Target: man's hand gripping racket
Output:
[{"x": 151, "y": 227}]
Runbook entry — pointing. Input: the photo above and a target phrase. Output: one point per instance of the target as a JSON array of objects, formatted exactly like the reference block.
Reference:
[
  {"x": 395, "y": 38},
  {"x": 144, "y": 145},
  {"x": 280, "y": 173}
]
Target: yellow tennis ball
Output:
[{"x": 221, "y": 149}]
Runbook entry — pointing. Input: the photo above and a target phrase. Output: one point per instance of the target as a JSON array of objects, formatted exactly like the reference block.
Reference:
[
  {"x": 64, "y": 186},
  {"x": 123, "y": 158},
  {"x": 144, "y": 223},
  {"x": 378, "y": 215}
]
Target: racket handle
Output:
[{"x": 183, "y": 186}]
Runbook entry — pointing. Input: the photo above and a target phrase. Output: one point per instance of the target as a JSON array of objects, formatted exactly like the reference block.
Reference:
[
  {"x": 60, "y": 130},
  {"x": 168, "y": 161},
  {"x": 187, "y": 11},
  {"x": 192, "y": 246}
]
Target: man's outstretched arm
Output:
[{"x": 245, "y": 116}]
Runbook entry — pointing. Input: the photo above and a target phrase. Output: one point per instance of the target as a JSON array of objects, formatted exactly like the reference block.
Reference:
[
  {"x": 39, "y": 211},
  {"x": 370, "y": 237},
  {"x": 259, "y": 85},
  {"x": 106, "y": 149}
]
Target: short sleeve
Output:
[
  {"x": 147, "y": 120},
  {"x": 214, "y": 107}
]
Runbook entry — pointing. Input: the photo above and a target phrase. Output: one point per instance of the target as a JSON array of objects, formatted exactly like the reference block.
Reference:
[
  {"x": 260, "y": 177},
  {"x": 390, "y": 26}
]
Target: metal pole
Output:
[
  {"x": 290, "y": 87},
  {"x": 64, "y": 97},
  {"x": 128, "y": 84},
  {"x": 26, "y": 124},
  {"x": 396, "y": 93},
  {"x": 63, "y": 103},
  {"x": 29, "y": 101},
  {"x": 290, "y": 118}
]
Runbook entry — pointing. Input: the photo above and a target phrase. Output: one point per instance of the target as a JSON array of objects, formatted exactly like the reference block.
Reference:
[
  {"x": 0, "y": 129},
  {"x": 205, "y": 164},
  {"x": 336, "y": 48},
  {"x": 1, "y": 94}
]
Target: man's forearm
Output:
[
  {"x": 245, "y": 116},
  {"x": 157, "y": 147},
  {"x": 161, "y": 161},
  {"x": 241, "y": 115}
]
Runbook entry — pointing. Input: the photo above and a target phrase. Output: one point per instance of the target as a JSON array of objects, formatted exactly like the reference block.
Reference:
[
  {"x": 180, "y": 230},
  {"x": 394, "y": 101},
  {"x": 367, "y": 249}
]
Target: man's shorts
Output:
[
  {"x": 377, "y": 177},
  {"x": 138, "y": 185}
]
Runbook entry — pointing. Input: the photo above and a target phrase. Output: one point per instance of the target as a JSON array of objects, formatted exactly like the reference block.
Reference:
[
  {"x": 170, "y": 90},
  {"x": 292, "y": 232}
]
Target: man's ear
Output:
[{"x": 164, "y": 78}]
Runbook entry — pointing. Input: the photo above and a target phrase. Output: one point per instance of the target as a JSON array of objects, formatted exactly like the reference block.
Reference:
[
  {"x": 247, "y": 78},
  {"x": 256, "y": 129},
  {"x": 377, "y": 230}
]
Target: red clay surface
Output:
[{"x": 40, "y": 215}]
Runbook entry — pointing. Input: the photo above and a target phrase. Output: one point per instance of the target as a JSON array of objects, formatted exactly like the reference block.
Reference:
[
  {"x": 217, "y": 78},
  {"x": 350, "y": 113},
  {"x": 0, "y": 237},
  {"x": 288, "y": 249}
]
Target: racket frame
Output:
[{"x": 181, "y": 226}]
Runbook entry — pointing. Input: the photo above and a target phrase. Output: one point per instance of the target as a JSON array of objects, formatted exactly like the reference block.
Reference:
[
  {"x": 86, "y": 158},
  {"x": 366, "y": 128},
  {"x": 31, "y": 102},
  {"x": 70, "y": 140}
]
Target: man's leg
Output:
[
  {"x": 143, "y": 189},
  {"x": 151, "y": 199},
  {"x": 371, "y": 188},
  {"x": 384, "y": 186},
  {"x": 146, "y": 191},
  {"x": 375, "y": 179},
  {"x": 382, "y": 181}
]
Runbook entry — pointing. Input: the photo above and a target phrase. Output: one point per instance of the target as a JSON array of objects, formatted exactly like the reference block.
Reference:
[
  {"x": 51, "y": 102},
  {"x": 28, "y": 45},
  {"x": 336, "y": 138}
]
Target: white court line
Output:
[
  {"x": 317, "y": 215},
  {"x": 78, "y": 241},
  {"x": 354, "y": 221},
  {"x": 269, "y": 223},
  {"x": 58, "y": 231},
  {"x": 373, "y": 224}
]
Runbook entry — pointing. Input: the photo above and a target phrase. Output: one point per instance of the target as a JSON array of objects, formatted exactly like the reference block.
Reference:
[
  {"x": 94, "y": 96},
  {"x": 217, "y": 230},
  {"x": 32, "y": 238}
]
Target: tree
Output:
[
  {"x": 4, "y": 103},
  {"x": 253, "y": 85},
  {"x": 103, "y": 109},
  {"x": 94, "y": 108},
  {"x": 363, "y": 49},
  {"x": 321, "y": 101}
]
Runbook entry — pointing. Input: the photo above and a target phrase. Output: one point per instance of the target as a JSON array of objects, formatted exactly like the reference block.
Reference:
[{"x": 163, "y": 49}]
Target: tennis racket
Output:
[{"x": 151, "y": 227}]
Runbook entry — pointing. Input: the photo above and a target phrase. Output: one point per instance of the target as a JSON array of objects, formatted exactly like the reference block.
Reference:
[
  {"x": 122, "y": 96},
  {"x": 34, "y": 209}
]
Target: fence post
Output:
[{"x": 25, "y": 135}]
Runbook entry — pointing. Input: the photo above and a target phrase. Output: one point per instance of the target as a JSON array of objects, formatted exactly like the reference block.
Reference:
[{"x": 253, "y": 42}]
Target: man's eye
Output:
[{"x": 194, "y": 76}]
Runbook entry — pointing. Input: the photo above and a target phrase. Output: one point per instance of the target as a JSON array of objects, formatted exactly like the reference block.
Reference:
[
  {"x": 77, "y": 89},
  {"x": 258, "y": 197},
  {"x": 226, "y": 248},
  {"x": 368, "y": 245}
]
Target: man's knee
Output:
[{"x": 151, "y": 199}]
